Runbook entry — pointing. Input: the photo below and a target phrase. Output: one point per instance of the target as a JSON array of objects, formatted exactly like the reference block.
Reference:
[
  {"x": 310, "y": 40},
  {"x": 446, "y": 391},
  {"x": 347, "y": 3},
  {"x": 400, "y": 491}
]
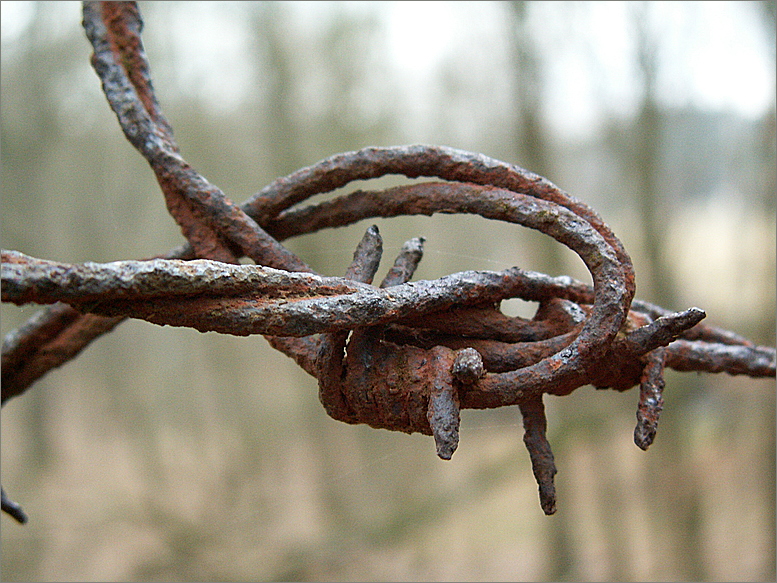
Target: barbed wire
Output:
[{"x": 403, "y": 355}]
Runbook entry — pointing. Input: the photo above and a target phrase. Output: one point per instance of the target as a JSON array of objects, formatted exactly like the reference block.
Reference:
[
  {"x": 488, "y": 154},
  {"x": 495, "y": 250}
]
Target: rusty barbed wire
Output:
[{"x": 404, "y": 356}]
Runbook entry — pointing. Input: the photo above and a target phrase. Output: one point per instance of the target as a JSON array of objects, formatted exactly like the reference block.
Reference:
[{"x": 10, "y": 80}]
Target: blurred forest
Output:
[{"x": 166, "y": 454}]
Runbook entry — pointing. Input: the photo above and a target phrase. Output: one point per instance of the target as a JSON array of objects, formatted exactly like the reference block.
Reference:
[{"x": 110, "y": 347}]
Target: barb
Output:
[
  {"x": 542, "y": 462},
  {"x": 404, "y": 356},
  {"x": 12, "y": 508},
  {"x": 651, "y": 400}
]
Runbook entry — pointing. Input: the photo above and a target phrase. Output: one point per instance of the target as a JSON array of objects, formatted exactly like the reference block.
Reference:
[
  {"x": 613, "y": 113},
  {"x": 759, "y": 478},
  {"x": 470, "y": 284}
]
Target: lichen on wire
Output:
[{"x": 402, "y": 355}]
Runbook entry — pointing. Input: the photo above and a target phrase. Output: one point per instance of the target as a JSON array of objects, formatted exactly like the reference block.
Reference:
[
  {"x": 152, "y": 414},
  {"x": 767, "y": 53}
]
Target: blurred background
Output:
[{"x": 166, "y": 454}]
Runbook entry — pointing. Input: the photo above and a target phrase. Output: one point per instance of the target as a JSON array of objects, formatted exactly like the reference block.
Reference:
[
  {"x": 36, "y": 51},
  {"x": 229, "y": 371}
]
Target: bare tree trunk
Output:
[
  {"x": 647, "y": 179},
  {"x": 531, "y": 145}
]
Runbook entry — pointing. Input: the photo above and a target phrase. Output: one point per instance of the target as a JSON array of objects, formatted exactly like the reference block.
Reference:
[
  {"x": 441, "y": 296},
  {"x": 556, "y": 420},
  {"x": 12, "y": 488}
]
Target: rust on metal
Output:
[
  {"x": 542, "y": 462},
  {"x": 401, "y": 355},
  {"x": 651, "y": 400}
]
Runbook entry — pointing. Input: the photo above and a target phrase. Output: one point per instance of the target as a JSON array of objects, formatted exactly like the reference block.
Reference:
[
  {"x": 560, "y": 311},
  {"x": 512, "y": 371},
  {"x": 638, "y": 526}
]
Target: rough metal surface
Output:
[{"x": 402, "y": 355}]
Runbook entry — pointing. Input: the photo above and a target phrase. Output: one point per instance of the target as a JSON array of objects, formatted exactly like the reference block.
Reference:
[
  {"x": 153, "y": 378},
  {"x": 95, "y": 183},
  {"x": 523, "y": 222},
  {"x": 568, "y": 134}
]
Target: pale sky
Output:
[{"x": 712, "y": 53}]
